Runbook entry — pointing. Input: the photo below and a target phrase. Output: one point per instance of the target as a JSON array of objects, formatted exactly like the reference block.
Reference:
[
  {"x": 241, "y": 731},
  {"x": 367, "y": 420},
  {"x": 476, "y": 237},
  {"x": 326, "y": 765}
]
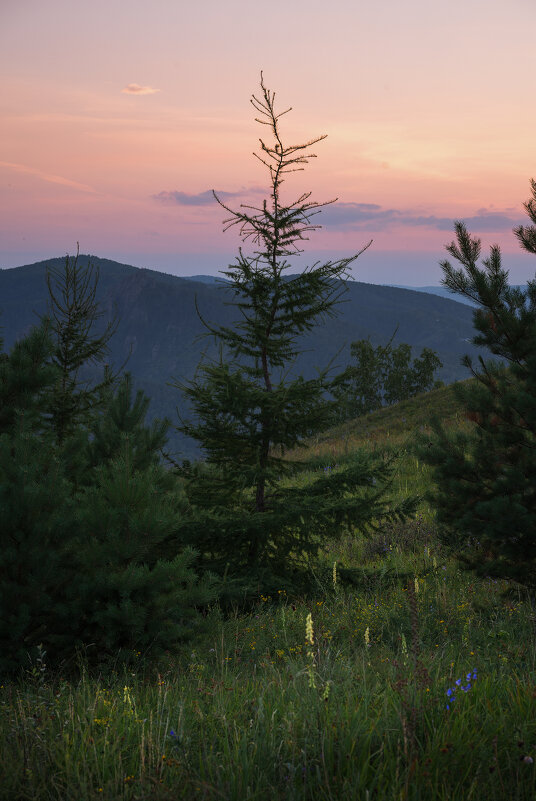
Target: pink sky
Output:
[{"x": 118, "y": 118}]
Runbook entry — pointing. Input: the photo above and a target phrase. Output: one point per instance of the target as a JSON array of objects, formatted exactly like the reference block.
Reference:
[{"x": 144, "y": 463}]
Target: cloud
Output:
[
  {"x": 362, "y": 216},
  {"x": 46, "y": 176},
  {"x": 490, "y": 221},
  {"x": 136, "y": 89},
  {"x": 344, "y": 216},
  {"x": 177, "y": 198},
  {"x": 356, "y": 215}
]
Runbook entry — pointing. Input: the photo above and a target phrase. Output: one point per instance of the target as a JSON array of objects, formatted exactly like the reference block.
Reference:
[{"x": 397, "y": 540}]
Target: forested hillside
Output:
[{"x": 159, "y": 327}]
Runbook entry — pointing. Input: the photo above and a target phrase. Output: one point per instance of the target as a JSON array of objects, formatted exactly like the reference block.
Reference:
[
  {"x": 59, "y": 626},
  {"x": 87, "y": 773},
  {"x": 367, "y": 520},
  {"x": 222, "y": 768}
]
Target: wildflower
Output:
[
  {"x": 528, "y": 760},
  {"x": 471, "y": 676},
  {"x": 335, "y": 575},
  {"x": 416, "y": 585},
  {"x": 309, "y": 637},
  {"x": 451, "y": 697},
  {"x": 367, "y": 637}
]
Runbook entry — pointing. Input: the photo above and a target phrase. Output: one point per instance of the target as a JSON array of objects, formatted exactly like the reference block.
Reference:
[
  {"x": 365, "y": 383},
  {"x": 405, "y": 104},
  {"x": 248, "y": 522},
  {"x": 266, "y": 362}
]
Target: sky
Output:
[{"x": 118, "y": 118}]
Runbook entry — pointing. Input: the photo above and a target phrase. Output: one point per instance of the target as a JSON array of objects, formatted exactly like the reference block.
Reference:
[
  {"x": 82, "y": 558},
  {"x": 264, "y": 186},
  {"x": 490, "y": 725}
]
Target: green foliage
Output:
[
  {"x": 486, "y": 477},
  {"x": 135, "y": 590},
  {"x": 381, "y": 375},
  {"x": 263, "y": 551},
  {"x": 26, "y": 377},
  {"x": 86, "y": 515},
  {"x": 124, "y": 419},
  {"x": 74, "y": 311},
  {"x": 249, "y": 413},
  {"x": 236, "y": 716},
  {"x": 36, "y": 521}
]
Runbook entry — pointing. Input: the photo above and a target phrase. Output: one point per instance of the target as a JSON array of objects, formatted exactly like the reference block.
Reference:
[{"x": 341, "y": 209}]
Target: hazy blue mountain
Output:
[
  {"x": 443, "y": 292},
  {"x": 205, "y": 279},
  {"x": 160, "y": 332}
]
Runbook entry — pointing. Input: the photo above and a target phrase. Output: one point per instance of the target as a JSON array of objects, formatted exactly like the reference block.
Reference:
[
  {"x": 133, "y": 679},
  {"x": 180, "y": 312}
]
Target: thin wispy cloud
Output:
[
  {"x": 46, "y": 176},
  {"x": 360, "y": 216},
  {"x": 136, "y": 89},
  {"x": 177, "y": 198}
]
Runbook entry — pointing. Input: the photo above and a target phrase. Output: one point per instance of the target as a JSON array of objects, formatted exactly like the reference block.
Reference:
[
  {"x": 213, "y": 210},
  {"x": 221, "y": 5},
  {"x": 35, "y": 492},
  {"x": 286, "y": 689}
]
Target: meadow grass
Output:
[{"x": 417, "y": 683}]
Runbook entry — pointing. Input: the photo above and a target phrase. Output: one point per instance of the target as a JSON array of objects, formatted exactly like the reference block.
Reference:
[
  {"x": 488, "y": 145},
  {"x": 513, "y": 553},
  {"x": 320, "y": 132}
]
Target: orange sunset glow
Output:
[{"x": 118, "y": 119}]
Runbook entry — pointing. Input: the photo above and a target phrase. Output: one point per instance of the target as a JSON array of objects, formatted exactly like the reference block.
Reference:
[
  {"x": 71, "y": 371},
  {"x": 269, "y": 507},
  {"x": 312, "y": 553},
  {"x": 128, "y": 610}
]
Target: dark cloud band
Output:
[{"x": 344, "y": 216}]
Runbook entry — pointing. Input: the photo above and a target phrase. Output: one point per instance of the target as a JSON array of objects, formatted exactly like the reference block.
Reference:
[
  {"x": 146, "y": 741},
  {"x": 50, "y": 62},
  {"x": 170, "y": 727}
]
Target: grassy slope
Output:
[
  {"x": 392, "y": 430},
  {"x": 253, "y": 711},
  {"x": 392, "y": 426}
]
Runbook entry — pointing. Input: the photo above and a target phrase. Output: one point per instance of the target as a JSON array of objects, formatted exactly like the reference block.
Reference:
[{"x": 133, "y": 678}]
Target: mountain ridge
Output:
[{"x": 160, "y": 331}]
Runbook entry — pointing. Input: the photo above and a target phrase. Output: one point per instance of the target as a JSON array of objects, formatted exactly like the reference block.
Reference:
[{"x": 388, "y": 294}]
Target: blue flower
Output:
[{"x": 471, "y": 676}]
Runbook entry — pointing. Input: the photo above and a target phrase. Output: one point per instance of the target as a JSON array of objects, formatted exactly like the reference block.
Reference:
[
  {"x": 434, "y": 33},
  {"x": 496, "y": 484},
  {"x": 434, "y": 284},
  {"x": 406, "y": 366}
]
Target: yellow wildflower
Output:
[{"x": 309, "y": 636}]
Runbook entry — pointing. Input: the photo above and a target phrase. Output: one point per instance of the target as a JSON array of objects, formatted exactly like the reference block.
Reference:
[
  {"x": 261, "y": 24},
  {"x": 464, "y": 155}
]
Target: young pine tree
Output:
[
  {"x": 74, "y": 311},
  {"x": 244, "y": 519},
  {"x": 27, "y": 377},
  {"x": 85, "y": 558},
  {"x": 486, "y": 478},
  {"x": 36, "y": 521},
  {"x": 135, "y": 590},
  {"x": 35, "y": 501},
  {"x": 123, "y": 419}
]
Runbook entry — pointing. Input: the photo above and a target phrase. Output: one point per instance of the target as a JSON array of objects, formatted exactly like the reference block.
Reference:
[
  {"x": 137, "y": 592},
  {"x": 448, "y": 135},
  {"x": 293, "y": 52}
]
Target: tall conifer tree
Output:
[{"x": 244, "y": 519}]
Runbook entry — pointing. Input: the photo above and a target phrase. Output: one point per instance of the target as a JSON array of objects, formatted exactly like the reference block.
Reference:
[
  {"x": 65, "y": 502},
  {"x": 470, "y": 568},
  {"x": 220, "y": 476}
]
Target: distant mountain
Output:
[
  {"x": 205, "y": 279},
  {"x": 160, "y": 329},
  {"x": 443, "y": 292}
]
